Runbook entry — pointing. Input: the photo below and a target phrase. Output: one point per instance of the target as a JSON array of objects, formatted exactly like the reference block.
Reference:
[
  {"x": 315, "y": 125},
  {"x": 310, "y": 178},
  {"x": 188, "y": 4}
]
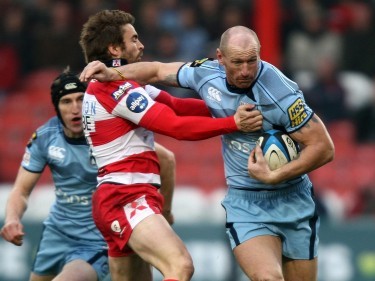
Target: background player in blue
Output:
[
  {"x": 71, "y": 247},
  {"x": 272, "y": 223}
]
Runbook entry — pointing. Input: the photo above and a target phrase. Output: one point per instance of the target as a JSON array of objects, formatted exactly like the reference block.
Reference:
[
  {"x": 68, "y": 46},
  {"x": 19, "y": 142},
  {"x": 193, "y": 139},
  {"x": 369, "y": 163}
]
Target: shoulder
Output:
[
  {"x": 49, "y": 130},
  {"x": 206, "y": 64},
  {"x": 197, "y": 72},
  {"x": 113, "y": 89},
  {"x": 271, "y": 78}
]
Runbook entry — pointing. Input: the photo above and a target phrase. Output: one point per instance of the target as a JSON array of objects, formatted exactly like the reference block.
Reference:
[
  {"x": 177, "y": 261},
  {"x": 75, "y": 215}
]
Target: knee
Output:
[{"x": 184, "y": 267}]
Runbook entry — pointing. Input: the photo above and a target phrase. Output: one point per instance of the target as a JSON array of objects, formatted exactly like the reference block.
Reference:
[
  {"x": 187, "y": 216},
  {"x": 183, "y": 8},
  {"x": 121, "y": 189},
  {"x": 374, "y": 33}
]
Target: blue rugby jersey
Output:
[
  {"x": 74, "y": 174},
  {"x": 278, "y": 98}
]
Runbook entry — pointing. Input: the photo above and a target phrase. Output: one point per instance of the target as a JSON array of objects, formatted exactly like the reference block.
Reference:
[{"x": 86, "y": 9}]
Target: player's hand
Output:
[
  {"x": 97, "y": 70},
  {"x": 258, "y": 167},
  {"x": 248, "y": 119},
  {"x": 13, "y": 232}
]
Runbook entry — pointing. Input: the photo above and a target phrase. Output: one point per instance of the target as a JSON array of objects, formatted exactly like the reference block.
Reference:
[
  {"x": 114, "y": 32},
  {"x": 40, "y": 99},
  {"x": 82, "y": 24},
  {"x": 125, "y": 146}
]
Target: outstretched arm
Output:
[
  {"x": 142, "y": 72},
  {"x": 182, "y": 106},
  {"x": 163, "y": 120},
  {"x": 12, "y": 231}
]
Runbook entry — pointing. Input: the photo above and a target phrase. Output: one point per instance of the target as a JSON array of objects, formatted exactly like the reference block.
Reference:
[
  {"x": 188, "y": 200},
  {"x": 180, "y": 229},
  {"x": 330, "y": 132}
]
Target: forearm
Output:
[
  {"x": 310, "y": 158},
  {"x": 150, "y": 72},
  {"x": 163, "y": 120},
  {"x": 184, "y": 106},
  {"x": 317, "y": 150},
  {"x": 16, "y": 206}
]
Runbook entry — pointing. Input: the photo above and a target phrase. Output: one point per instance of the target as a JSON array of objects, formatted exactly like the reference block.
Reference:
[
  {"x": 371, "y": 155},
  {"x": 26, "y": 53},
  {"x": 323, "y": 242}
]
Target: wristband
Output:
[{"x": 119, "y": 73}]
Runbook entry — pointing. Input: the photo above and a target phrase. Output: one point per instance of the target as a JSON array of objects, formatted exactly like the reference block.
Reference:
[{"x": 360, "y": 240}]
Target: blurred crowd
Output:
[{"x": 328, "y": 47}]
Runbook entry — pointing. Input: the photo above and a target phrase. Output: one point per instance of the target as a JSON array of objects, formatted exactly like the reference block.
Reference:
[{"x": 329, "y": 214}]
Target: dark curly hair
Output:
[{"x": 101, "y": 30}]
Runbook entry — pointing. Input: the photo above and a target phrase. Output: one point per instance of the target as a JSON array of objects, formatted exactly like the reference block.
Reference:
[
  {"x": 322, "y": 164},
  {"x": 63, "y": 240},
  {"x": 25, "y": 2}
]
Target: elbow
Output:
[
  {"x": 329, "y": 153},
  {"x": 332, "y": 154}
]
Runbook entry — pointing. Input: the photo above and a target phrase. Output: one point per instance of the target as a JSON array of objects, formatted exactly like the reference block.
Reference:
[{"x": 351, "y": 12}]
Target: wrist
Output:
[{"x": 117, "y": 74}]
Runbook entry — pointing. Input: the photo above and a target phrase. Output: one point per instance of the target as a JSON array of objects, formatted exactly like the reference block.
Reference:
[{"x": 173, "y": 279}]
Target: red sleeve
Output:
[
  {"x": 184, "y": 106},
  {"x": 163, "y": 120}
]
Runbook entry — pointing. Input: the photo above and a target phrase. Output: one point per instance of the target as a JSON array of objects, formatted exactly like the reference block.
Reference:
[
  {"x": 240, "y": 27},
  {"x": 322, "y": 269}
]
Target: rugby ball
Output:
[{"x": 278, "y": 148}]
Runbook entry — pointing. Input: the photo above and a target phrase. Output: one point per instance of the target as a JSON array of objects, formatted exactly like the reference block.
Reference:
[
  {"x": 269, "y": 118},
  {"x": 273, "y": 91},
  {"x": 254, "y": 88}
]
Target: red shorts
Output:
[{"x": 118, "y": 208}]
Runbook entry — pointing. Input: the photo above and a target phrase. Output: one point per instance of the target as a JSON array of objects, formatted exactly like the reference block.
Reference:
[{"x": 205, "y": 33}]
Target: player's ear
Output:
[
  {"x": 219, "y": 55},
  {"x": 114, "y": 50}
]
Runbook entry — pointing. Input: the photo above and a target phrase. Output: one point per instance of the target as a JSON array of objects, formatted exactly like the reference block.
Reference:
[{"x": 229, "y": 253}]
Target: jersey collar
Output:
[{"x": 115, "y": 62}]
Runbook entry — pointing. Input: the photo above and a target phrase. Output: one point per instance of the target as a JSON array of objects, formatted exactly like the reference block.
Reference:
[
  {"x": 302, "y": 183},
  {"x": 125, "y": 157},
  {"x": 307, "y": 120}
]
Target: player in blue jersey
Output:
[
  {"x": 71, "y": 247},
  {"x": 272, "y": 222}
]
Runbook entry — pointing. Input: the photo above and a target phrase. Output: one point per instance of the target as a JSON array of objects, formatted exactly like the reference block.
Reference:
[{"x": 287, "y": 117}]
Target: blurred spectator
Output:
[
  {"x": 327, "y": 97},
  {"x": 234, "y": 14},
  {"x": 359, "y": 40},
  {"x": 364, "y": 120},
  {"x": 147, "y": 25},
  {"x": 210, "y": 17},
  {"x": 90, "y": 7},
  {"x": 309, "y": 45},
  {"x": 169, "y": 18},
  {"x": 12, "y": 47},
  {"x": 193, "y": 38},
  {"x": 57, "y": 44}
]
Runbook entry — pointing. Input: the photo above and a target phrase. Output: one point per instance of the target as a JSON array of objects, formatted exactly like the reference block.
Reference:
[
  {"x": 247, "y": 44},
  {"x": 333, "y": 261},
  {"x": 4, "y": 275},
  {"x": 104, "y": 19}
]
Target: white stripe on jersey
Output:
[
  {"x": 130, "y": 178},
  {"x": 110, "y": 125},
  {"x": 134, "y": 142}
]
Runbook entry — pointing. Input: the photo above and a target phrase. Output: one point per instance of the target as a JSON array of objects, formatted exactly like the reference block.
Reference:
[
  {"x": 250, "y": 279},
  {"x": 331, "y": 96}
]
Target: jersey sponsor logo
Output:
[
  {"x": 238, "y": 146},
  {"x": 88, "y": 112},
  {"x": 297, "y": 113},
  {"x": 214, "y": 94},
  {"x": 136, "y": 102},
  {"x": 56, "y": 152},
  {"x": 89, "y": 107},
  {"x": 198, "y": 63},
  {"x": 121, "y": 90}
]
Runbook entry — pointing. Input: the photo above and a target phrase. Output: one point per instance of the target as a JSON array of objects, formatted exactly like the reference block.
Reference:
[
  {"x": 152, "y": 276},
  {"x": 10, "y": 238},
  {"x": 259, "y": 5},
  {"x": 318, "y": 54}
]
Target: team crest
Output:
[{"x": 32, "y": 138}]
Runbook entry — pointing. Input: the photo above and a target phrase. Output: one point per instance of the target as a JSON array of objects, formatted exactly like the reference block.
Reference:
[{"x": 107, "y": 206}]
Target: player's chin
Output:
[
  {"x": 243, "y": 84},
  {"x": 75, "y": 128}
]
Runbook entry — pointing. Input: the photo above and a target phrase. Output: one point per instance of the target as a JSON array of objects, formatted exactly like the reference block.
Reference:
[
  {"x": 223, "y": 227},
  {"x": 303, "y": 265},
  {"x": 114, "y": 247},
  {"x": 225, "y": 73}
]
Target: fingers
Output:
[
  {"x": 13, "y": 233},
  {"x": 89, "y": 71}
]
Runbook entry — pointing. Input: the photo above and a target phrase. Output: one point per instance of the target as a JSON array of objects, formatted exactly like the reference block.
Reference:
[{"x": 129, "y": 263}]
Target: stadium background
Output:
[{"x": 327, "y": 46}]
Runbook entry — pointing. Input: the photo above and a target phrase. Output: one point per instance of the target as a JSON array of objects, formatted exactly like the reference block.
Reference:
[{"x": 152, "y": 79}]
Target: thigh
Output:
[
  {"x": 156, "y": 242},
  {"x": 260, "y": 257},
  {"x": 77, "y": 270},
  {"x": 300, "y": 270}
]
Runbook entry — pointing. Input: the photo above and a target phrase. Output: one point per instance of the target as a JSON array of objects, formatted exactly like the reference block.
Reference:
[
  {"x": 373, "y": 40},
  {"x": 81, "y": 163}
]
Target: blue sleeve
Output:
[{"x": 34, "y": 159}]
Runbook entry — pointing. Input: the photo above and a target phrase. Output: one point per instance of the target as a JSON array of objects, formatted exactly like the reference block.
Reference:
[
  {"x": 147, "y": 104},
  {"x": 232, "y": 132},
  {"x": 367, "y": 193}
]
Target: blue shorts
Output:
[
  {"x": 56, "y": 249},
  {"x": 289, "y": 213}
]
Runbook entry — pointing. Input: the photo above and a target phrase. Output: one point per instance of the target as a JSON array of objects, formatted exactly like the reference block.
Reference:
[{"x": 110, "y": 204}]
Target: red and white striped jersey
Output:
[{"x": 118, "y": 120}]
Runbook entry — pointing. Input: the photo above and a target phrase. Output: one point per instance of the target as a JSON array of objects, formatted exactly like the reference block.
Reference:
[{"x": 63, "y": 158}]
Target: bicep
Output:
[
  {"x": 316, "y": 144},
  {"x": 312, "y": 133},
  {"x": 25, "y": 181},
  {"x": 167, "y": 73}
]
